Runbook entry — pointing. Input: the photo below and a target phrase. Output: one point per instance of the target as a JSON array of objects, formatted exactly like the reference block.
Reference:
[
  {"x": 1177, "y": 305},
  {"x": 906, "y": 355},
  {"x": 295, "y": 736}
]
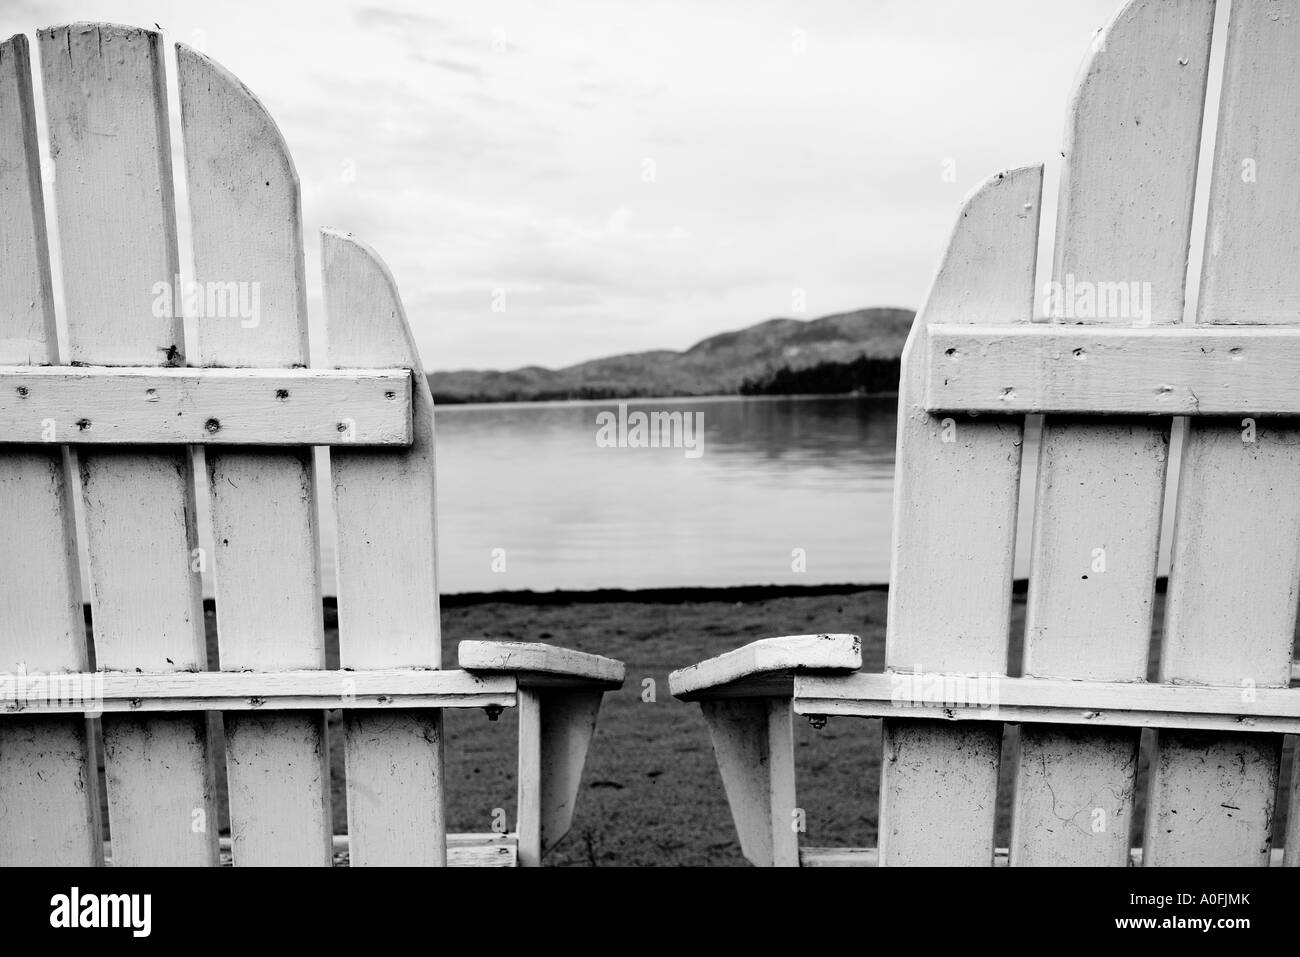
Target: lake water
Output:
[
  {"x": 772, "y": 476},
  {"x": 528, "y": 498}
]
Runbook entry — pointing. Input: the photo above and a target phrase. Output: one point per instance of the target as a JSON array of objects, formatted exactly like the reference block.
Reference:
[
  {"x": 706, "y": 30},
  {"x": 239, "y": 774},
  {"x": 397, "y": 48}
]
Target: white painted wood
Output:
[
  {"x": 955, "y": 496},
  {"x": 384, "y": 499},
  {"x": 244, "y": 200},
  {"x": 249, "y": 690},
  {"x": 1251, "y": 240},
  {"x": 767, "y": 656},
  {"x": 100, "y": 406},
  {"x": 528, "y": 790},
  {"x": 463, "y": 850},
  {"x": 1104, "y": 370},
  {"x": 278, "y": 775},
  {"x": 291, "y": 690},
  {"x": 868, "y": 857},
  {"x": 1132, "y": 143},
  {"x": 1055, "y": 701},
  {"x": 117, "y": 236},
  {"x": 568, "y": 724},
  {"x": 482, "y": 850},
  {"x": 559, "y": 698},
  {"x": 534, "y": 663},
  {"x": 387, "y": 580},
  {"x": 1291, "y": 840},
  {"x": 116, "y": 208},
  {"x": 247, "y": 229},
  {"x": 555, "y": 731},
  {"x": 28, "y": 333},
  {"x": 1231, "y": 606},
  {"x": 49, "y": 787},
  {"x": 753, "y": 739},
  {"x": 838, "y": 857},
  {"x": 395, "y": 786},
  {"x": 1125, "y": 213}
]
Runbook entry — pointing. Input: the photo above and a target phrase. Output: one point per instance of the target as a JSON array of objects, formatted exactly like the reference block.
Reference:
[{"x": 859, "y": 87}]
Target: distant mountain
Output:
[{"x": 847, "y": 352}]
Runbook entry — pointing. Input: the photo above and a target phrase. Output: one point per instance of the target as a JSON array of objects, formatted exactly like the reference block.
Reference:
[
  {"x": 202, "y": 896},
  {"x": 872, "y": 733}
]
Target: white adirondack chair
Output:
[
  {"x": 126, "y": 406},
  {"x": 973, "y": 367}
]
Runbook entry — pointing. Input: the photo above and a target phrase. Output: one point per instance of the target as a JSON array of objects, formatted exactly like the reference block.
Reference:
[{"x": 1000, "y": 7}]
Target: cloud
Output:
[
  {"x": 454, "y": 66},
  {"x": 503, "y": 145},
  {"x": 402, "y": 23}
]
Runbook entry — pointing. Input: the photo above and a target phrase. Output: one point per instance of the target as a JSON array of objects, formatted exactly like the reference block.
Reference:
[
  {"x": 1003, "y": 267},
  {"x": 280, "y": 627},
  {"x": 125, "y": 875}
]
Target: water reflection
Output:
[{"x": 776, "y": 476}]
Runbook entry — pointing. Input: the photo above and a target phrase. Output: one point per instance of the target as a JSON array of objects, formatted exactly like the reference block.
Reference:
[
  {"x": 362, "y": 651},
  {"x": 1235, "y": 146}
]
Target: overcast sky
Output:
[{"x": 626, "y": 175}]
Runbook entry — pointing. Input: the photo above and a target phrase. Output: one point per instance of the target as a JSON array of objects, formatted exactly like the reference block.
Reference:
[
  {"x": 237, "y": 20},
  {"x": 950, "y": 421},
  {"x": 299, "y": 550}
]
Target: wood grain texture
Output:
[
  {"x": 1133, "y": 704},
  {"x": 49, "y": 789},
  {"x": 117, "y": 235},
  {"x": 536, "y": 663},
  {"x": 555, "y": 731},
  {"x": 105, "y": 96},
  {"x": 1124, "y": 215},
  {"x": 1235, "y": 564},
  {"x": 463, "y": 850},
  {"x": 784, "y": 656},
  {"x": 1086, "y": 370},
  {"x": 26, "y": 292},
  {"x": 870, "y": 857},
  {"x": 140, "y": 406},
  {"x": 1132, "y": 143},
  {"x": 292, "y": 690},
  {"x": 528, "y": 793},
  {"x": 955, "y": 498},
  {"x": 385, "y": 510},
  {"x": 247, "y": 230},
  {"x": 753, "y": 740},
  {"x": 1291, "y": 840}
]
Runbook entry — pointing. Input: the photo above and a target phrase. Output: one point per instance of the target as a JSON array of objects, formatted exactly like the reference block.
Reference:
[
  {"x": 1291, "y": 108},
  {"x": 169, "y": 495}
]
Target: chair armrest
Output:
[
  {"x": 766, "y": 668},
  {"x": 542, "y": 666},
  {"x": 560, "y": 693}
]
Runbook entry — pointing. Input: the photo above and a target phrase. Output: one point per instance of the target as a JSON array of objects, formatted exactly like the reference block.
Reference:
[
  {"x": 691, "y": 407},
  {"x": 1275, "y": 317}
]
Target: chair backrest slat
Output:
[
  {"x": 1235, "y": 565},
  {"x": 105, "y": 96},
  {"x": 110, "y": 151},
  {"x": 950, "y": 598},
  {"x": 1125, "y": 217},
  {"x": 387, "y": 580},
  {"x": 54, "y": 821},
  {"x": 246, "y": 229}
]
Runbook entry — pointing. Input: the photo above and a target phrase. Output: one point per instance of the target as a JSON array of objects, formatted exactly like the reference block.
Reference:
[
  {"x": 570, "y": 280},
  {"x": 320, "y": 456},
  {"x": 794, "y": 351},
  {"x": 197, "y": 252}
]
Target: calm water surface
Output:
[
  {"x": 527, "y": 498},
  {"x": 774, "y": 476}
]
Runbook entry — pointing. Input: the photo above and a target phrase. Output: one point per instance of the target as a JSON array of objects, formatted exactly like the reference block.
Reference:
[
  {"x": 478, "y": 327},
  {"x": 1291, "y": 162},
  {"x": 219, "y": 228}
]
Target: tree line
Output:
[{"x": 865, "y": 375}]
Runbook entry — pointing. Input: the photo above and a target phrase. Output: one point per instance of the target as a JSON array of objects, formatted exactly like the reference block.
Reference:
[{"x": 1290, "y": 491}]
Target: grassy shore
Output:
[{"x": 651, "y": 794}]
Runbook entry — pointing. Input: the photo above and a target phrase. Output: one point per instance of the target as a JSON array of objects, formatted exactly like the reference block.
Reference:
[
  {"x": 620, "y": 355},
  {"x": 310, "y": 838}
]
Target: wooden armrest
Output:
[
  {"x": 767, "y": 667},
  {"x": 560, "y": 692},
  {"x": 542, "y": 666}
]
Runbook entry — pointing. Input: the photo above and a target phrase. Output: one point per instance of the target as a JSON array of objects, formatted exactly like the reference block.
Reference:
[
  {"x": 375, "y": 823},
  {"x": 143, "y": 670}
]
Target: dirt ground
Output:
[{"x": 651, "y": 795}]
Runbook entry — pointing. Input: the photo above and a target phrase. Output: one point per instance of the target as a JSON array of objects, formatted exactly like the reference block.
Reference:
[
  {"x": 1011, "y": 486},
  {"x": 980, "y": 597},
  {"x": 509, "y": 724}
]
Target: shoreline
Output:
[
  {"x": 449, "y": 403},
  {"x": 685, "y": 594},
  {"x": 679, "y": 595}
]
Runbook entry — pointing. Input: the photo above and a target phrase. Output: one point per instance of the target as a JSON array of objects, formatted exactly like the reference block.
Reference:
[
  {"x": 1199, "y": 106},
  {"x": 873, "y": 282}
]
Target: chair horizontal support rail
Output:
[
  {"x": 463, "y": 850},
  {"x": 117, "y": 692},
  {"x": 870, "y": 857},
  {"x": 1108, "y": 370},
  {"x": 93, "y": 405},
  {"x": 955, "y": 697}
]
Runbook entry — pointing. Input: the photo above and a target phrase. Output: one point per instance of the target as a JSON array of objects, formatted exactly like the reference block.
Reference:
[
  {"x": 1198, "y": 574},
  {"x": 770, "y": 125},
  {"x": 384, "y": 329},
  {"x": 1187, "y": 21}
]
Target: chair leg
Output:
[
  {"x": 555, "y": 729},
  {"x": 1291, "y": 849},
  {"x": 754, "y": 742}
]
